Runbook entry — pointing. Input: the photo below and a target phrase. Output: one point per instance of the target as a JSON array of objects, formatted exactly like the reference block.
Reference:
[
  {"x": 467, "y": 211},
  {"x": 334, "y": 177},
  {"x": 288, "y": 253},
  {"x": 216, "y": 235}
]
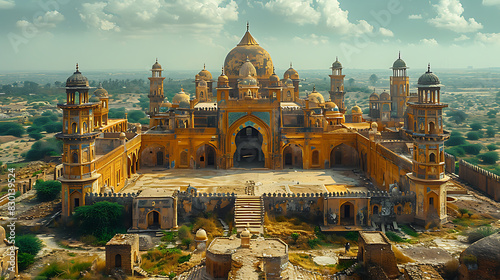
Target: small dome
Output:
[
  {"x": 356, "y": 110},
  {"x": 100, "y": 91},
  {"x": 223, "y": 78},
  {"x": 123, "y": 135},
  {"x": 274, "y": 78},
  {"x": 429, "y": 79},
  {"x": 399, "y": 63},
  {"x": 201, "y": 235},
  {"x": 316, "y": 97},
  {"x": 180, "y": 97},
  {"x": 202, "y": 83},
  {"x": 374, "y": 125},
  {"x": 94, "y": 99},
  {"x": 245, "y": 233},
  {"x": 77, "y": 79},
  {"x": 247, "y": 69},
  {"x": 337, "y": 64},
  {"x": 374, "y": 96},
  {"x": 205, "y": 74},
  {"x": 248, "y": 81},
  {"x": 185, "y": 104},
  {"x": 331, "y": 105},
  {"x": 291, "y": 73},
  {"x": 287, "y": 82},
  {"x": 384, "y": 96},
  {"x": 157, "y": 65}
]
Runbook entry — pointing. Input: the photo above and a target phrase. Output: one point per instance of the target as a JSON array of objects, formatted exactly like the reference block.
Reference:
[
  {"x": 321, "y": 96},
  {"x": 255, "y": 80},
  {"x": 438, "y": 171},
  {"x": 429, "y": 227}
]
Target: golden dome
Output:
[
  {"x": 205, "y": 74},
  {"x": 356, "y": 110},
  {"x": 274, "y": 78},
  {"x": 287, "y": 82},
  {"x": 201, "y": 235},
  {"x": 245, "y": 233},
  {"x": 374, "y": 125},
  {"x": 385, "y": 96},
  {"x": 316, "y": 97},
  {"x": 258, "y": 56},
  {"x": 180, "y": 97},
  {"x": 331, "y": 105},
  {"x": 249, "y": 81},
  {"x": 202, "y": 83},
  {"x": 374, "y": 96},
  {"x": 291, "y": 73},
  {"x": 156, "y": 66},
  {"x": 100, "y": 91}
]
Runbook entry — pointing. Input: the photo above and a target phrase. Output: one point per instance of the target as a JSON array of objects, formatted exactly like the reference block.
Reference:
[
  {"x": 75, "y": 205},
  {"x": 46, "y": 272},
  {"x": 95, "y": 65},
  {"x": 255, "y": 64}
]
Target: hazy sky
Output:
[{"x": 184, "y": 34}]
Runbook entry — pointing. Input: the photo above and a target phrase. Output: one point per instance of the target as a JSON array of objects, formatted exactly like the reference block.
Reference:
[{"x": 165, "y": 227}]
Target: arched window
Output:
[
  {"x": 431, "y": 202},
  {"x": 74, "y": 128},
  {"x": 118, "y": 260},
  {"x": 85, "y": 127},
  {"x": 75, "y": 157},
  {"x": 432, "y": 157},
  {"x": 432, "y": 128},
  {"x": 288, "y": 94},
  {"x": 375, "y": 210}
]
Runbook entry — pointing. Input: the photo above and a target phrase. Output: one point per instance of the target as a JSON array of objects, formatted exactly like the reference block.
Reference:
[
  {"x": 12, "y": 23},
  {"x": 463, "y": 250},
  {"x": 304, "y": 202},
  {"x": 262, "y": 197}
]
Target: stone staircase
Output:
[
  {"x": 249, "y": 213},
  {"x": 140, "y": 272}
]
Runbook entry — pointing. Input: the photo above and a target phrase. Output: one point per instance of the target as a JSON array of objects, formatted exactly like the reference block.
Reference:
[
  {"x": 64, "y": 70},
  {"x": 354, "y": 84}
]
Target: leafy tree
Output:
[
  {"x": 456, "y": 151},
  {"x": 472, "y": 149},
  {"x": 99, "y": 219},
  {"x": 136, "y": 115},
  {"x": 351, "y": 82},
  {"x": 473, "y": 135},
  {"x": 455, "y": 141},
  {"x": 492, "y": 147},
  {"x": 457, "y": 116},
  {"x": 463, "y": 211},
  {"x": 490, "y": 132},
  {"x": 36, "y": 135},
  {"x": 47, "y": 190},
  {"x": 295, "y": 236},
  {"x": 476, "y": 126},
  {"x": 41, "y": 121},
  {"x": 492, "y": 114},
  {"x": 42, "y": 148},
  {"x": 11, "y": 128},
  {"x": 373, "y": 79},
  {"x": 456, "y": 133},
  {"x": 489, "y": 157},
  {"x": 29, "y": 244},
  {"x": 117, "y": 113}
]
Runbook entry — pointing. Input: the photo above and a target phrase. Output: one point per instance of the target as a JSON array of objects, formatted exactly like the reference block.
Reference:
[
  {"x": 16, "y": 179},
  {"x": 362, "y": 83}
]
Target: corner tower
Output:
[
  {"x": 337, "y": 85},
  {"x": 78, "y": 136},
  {"x": 400, "y": 88},
  {"x": 156, "y": 95},
  {"x": 424, "y": 124}
]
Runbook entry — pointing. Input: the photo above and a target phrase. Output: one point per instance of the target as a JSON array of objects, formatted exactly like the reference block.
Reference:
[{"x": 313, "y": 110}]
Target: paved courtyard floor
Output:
[{"x": 266, "y": 181}]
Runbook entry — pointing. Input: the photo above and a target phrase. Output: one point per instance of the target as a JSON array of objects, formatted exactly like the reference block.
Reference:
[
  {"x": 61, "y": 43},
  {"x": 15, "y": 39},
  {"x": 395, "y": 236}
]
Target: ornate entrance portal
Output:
[{"x": 249, "y": 149}]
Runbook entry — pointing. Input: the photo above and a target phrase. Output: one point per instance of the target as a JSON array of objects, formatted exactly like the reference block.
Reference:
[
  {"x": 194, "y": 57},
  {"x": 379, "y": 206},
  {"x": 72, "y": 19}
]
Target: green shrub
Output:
[
  {"x": 313, "y": 242},
  {"x": 472, "y": 149},
  {"x": 408, "y": 230},
  {"x": 47, "y": 190},
  {"x": 490, "y": 132},
  {"x": 52, "y": 270},
  {"x": 42, "y": 148},
  {"x": 473, "y": 135},
  {"x": 479, "y": 233},
  {"x": 295, "y": 236},
  {"x": 11, "y": 128},
  {"x": 489, "y": 157},
  {"x": 393, "y": 237},
  {"x": 352, "y": 235},
  {"x": 184, "y": 259},
  {"x": 457, "y": 151},
  {"x": 476, "y": 126},
  {"x": 492, "y": 147},
  {"x": 463, "y": 211},
  {"x": 24, "y": 260},
  {"x": 187, "y": 242},
  {"x": 102, "y": 219},
  {"x": 29, "y": 244},
  {"x": 184, "y": 232},
  {"x": 455, "y": 141}
]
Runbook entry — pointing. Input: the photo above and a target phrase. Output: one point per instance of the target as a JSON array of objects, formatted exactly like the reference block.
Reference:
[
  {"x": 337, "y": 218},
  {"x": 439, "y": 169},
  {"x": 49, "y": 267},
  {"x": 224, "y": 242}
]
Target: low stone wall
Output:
[
  {"x": 192, "y": 204},
  {"x": 480, "y": 179}
]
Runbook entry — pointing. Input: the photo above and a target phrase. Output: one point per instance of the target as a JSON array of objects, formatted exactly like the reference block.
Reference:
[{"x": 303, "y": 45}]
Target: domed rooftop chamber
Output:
[
  {"x": 291, "y": 73},
  {"x": 156, "y": 66},
  {"x": 399, "y": 63},
  {"x": 77, "y": 80},
  {"x": 205, "y": 74},
  {"x": 429, "y": 79},
  {"x": 336, "y": 64},
  {"x": 180, "y": 97},
  {"x": 316, "y": 97}
]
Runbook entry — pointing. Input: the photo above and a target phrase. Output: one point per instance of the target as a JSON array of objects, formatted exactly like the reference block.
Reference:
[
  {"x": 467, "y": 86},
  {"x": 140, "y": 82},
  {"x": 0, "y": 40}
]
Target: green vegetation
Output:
[
  {"x": 43, "y": 148},
  {"x": 457, "y": 151},
  {"x": 490, "y": 132},
  {"x": 102, "y": 220},
  {"x": 138, "y": 116},
  {"x": 394, "y": 237},
  {"x": 67, "y": 270},
  {"x": 473, "y": 135},
  {"x": 29, "y": 245},
  {"x": 409, "y": 231},
  {"x": 476, "y": 126},
  {"x": 457, "y": 116},
  {"x": 489, "y": 157},
  {"x": 455, "y": 141},
  {"x": 472, "y": 149},
  {"x": 463, "y": 211},
  {"x": 295, "y": 236},
  {"x": 11, "y": 128},
  {"x": 47, "y": 190},
  {"x": 492, "y": 147},
  {"x": 479, "y": 233},
  {"x": 36, "y": 135}
]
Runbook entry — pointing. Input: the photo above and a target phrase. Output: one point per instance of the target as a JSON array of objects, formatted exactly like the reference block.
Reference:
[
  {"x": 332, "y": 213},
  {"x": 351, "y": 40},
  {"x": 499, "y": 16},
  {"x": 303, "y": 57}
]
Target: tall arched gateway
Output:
[{"x": 248, "y": 152}]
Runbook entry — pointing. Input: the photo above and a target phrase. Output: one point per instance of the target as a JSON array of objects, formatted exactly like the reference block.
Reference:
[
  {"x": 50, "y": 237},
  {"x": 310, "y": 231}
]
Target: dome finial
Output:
[
  {"x": 248, "y": 26},
  {"x": 337, "y": 58},
  {"x": 157, "y": 60},
  {"x": 222, "y": 70},
  {"x": 274, "y": 69},
  {"x": 248, "y": 60},
  {"x": 429, "y": 68},
  {"x": 77, "y": 69},
  {"x": 314, "y": 88},
  {"x": 291, "y": 64},
  {"x": 399, "y": 55}
]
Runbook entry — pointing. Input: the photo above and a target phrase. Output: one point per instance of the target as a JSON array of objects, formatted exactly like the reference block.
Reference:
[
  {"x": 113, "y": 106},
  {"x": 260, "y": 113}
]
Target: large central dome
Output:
[{"x": 258, "y": 56}]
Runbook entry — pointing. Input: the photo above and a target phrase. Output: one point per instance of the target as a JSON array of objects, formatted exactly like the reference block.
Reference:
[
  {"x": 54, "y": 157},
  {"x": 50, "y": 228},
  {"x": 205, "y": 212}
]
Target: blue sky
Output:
[{"x": 184, "y": 34}]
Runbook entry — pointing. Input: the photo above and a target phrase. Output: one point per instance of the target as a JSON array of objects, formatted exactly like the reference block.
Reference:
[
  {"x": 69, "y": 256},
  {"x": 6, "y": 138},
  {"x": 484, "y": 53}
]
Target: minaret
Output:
[
  {"x": 293, "y": 75},
  {"x": 337, "y": 85},
  {"x": 424, "y": 124},
  {"x": 222, "y": 87},
  {"x": 78, "y": 138},
  {"x": 274, "y": 88},
  {"x": 400, "y": 88},
  {"x": 156, "y": 95}
]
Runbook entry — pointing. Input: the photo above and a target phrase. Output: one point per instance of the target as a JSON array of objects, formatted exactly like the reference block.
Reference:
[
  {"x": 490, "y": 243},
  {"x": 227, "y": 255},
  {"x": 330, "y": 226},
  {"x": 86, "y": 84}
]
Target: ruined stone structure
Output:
[
  {"x": 375, "y": 249},
  {"x": 122, "y": 253}
]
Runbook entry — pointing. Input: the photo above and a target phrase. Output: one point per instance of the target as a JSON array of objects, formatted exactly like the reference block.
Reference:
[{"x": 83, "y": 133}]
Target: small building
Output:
[
  {"x": 154, "y": 209},
  {"x": 122, "y": 253},
  {"x": 224, "y": 254},
  {"x": 375, "y": 249}
]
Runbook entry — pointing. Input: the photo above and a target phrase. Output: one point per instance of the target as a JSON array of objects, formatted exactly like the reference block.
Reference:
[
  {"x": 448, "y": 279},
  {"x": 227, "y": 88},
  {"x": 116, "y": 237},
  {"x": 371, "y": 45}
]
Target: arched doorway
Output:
[
  {"x": 118, "y": 260},
  {"x": 75, "y": 200},
  {"x": 344, "y": 156},
  {"x": 248, "y": 152},
  {"x": 153, "y": 220},
  {"x": 205, "y": 156},
  {"x": 159, "y": 158},
  {"x": 292, "y": 156},
  {"x": 347, "y": 214}
]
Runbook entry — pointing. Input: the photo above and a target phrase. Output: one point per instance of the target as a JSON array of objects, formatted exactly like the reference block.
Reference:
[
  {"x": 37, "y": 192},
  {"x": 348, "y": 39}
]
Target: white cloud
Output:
[
  {"x": 385, "y": 32},
  {"x": 491, "y": 2},
  {"x": 299, "y": 11},
  {"x": 42, "y": 23},
  {"x": 337, "y": 19},
  {"x": 429, "y": 42},
  {"x": 488, "y": 38},
  {"x": 312, "y": 39},
  {"x": 7, "y": 4},
  {"x": 415, "y": 17},
  {"x": 450, "y": 17},
  {"x": 463, "y": 37},
  {"x": 153, "y": 15}
]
